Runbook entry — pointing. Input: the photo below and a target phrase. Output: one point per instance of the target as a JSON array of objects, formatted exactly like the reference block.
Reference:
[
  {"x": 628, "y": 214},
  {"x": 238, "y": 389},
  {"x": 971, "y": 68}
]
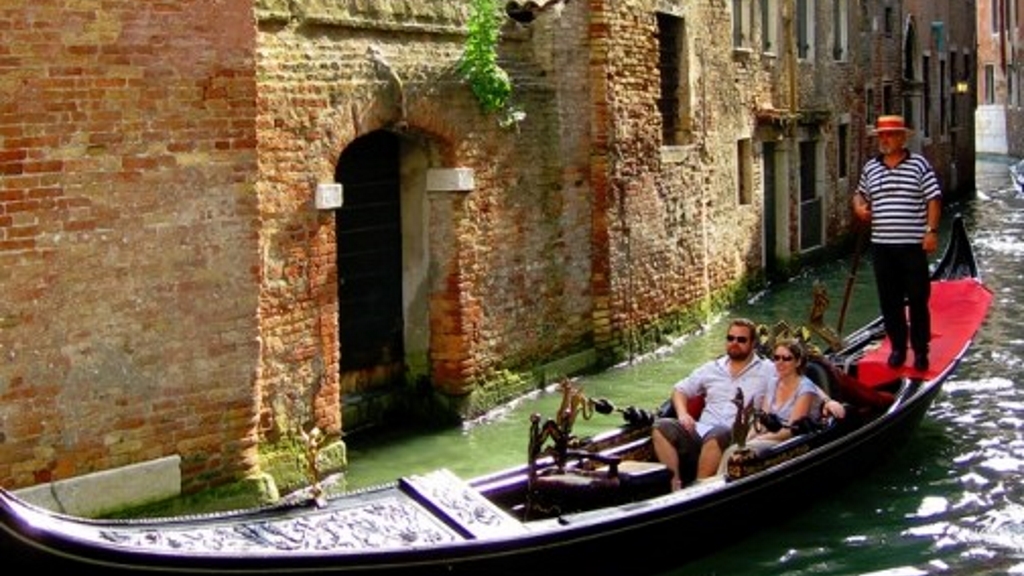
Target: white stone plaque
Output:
[{"x": 329, "y": 196}]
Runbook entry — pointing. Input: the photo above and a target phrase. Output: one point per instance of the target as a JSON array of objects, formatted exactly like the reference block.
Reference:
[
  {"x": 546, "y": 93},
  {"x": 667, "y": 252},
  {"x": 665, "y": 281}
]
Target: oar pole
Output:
[{"x": 858, "y": 249}]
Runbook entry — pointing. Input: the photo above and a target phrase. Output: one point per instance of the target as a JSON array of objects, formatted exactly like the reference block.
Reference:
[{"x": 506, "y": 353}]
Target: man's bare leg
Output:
[
  {"x": 710, "y": 457},
  {"x": 667, "y": 455}
]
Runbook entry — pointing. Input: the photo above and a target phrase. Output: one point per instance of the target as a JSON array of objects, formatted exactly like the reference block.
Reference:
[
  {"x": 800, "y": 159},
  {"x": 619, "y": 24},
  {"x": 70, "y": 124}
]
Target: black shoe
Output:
[
  {"x": 921, "y": 362},
  {"x": 897, "y": 358}
]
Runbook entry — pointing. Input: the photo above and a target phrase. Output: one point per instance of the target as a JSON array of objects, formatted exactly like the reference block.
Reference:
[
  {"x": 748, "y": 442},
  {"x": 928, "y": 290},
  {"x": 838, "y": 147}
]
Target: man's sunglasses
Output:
[{"x": 738, "y": 339}]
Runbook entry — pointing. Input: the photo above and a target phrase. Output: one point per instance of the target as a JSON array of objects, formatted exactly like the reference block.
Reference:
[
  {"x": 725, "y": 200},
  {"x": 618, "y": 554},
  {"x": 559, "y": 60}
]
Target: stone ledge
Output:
[
  {"x": 565, "y": 367},
  {"x": 93, "y": 495}
]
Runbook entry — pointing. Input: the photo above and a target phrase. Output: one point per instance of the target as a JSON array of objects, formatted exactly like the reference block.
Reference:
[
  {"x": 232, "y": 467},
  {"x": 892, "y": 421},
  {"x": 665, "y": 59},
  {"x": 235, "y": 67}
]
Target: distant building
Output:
[
  {"x": 920, "y": 63},
  {"x": 1000, "y": 116},
  {"x": 938, "y": 60}
]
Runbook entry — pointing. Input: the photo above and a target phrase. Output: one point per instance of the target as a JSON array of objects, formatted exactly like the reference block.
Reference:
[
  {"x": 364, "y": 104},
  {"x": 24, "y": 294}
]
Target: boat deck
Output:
[{"x": 957, "y": 309}]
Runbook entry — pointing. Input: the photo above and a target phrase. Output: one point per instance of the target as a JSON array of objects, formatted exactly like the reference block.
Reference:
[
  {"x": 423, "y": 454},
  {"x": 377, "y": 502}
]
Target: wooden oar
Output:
[{"x": 861, "y": 241}]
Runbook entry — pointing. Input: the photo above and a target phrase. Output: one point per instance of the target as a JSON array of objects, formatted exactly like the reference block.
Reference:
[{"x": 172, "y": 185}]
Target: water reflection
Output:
[{"x": 947, "y": 504}]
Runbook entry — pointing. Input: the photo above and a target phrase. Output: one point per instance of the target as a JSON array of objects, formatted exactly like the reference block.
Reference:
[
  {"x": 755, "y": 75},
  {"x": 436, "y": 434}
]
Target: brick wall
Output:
[
  {"x": 577, "y": 233},
  {"x": 509, "y": 276},
  {"x": 676, "y": 237},
  {"x": 128, "y": 253}
]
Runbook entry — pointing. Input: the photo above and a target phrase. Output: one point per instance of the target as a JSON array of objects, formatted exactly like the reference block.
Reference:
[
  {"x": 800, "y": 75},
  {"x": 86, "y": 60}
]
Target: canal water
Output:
[{"x": 951, "y": 502}]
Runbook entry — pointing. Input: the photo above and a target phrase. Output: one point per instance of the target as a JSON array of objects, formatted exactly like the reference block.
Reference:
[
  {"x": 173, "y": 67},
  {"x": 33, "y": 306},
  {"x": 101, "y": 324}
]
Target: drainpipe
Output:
[
  {"x": 704, "y": 225},
  {"x": 789, "y": 30},
  {"x": 1003, "y": 27}
]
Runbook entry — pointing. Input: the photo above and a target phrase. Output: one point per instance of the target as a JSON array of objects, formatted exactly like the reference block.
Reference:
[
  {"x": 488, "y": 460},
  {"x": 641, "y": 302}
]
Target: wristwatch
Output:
[{"x": 930, "y": 230}]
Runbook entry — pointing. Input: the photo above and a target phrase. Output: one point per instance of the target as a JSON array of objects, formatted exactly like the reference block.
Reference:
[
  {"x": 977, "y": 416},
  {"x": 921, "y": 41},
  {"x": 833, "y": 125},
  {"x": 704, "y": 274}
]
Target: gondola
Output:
[{"x": 594, "y": 505}]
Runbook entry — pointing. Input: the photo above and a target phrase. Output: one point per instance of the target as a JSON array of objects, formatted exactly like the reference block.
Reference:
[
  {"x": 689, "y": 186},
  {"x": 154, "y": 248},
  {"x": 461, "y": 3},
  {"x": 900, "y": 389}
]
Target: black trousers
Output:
[{"x": 903, "y": 280}]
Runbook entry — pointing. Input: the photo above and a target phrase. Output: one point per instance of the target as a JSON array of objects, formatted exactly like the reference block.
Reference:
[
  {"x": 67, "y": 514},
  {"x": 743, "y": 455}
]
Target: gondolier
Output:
[{"x": 899, "y": 196}]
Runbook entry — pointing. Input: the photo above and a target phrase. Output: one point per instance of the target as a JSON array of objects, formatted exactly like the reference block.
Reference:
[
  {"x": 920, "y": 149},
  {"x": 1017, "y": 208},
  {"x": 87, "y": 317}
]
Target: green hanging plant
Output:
[{"x": 479, "y": 64}]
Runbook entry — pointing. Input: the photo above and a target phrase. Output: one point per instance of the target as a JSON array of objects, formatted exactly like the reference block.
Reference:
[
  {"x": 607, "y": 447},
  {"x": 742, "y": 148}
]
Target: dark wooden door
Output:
[{"x": 370, "y": 253}]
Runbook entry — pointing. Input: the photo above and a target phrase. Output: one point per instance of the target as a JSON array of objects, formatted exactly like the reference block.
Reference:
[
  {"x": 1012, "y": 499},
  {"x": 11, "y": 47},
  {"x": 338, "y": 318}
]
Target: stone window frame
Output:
[
  {"x": 770, "y": 27},
  {"x": 742, "y": 12},
  {"x": 841, "y": 30},
  {"x": 805, "y": 29}
]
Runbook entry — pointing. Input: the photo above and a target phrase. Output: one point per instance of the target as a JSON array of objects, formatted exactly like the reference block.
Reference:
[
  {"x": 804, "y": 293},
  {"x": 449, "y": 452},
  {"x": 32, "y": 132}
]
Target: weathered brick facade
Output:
[
  {"x": 128, "y": 245},
  {"x": 173, "y": 287},
  {"x": 500, "y": 275}
]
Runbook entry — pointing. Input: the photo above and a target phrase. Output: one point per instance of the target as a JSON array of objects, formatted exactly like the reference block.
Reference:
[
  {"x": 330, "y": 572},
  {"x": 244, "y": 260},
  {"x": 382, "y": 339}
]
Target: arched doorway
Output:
[{"x": 369, "y": 253}]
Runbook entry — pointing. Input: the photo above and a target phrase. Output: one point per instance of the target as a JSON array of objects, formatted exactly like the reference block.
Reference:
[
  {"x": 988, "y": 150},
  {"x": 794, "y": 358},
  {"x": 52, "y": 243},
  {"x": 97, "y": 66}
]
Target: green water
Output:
[{"x": 500, "y": 439}]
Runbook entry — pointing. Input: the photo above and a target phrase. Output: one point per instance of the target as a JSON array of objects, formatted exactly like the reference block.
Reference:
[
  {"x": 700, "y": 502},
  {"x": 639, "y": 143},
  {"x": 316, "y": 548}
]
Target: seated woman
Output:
[{"x": 790, "y": 397}]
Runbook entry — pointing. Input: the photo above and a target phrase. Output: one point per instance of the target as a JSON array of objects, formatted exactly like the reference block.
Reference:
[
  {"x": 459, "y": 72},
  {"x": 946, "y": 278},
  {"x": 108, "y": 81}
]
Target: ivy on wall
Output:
[{"x": 479, "y": 66}]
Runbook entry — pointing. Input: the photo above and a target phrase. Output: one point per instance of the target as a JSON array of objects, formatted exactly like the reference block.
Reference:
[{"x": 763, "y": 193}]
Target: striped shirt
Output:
[{"x": 899, "y": 198}]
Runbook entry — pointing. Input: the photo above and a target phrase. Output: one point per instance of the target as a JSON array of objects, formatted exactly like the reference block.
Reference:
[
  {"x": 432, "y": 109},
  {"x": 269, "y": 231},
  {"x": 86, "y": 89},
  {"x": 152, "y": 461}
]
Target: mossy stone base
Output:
[{"x": 286, "y": 465}]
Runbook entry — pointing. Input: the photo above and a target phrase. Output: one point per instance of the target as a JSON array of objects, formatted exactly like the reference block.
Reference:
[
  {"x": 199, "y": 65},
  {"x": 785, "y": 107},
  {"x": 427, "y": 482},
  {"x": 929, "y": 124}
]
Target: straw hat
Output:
[{"x": 891, "y": 123}]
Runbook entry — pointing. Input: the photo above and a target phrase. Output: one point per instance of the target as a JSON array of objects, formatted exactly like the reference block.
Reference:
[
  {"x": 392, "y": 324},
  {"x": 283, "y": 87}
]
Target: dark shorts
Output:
[{"x": 688, "y": 444}]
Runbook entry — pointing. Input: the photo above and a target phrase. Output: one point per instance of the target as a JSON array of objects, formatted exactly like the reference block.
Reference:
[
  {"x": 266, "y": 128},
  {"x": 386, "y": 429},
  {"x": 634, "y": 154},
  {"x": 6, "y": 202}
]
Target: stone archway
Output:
[
  {"x": 369, "y": 255},
  {"x": 382, "y": 262}
]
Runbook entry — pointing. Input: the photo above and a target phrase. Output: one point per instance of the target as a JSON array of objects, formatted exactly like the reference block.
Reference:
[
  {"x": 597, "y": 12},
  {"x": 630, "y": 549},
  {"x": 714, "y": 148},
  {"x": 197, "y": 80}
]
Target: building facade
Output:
[
  {"x": 939, "y": 54},
  {"x": 302, "y": 214},
  {"x": 1000, "y": 115}
]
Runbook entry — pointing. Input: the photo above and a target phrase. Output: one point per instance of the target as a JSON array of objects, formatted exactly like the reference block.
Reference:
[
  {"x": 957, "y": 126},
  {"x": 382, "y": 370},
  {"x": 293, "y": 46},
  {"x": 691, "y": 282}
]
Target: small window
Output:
[
  {"x": 869, "y": 107},
  {"x": 741, "y": 23},
  {"x": 990, "y": 84},
  {"x": 770, "y": 26},
  {"x": 926, "y": 104},
  {"x": 943, "y": 98},
  {"x": 674, "y": 99},
  {"x": 954, "y": 108},
  {"x": 1009, "y": 91},
  {"x": 840, "y": 30},
  {"x": 804, "y": 29},
  {"x": 843, "y": 150}
]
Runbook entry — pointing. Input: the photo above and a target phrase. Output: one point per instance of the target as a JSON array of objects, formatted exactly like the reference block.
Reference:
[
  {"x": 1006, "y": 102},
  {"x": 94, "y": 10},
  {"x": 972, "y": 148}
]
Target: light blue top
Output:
[{"x": 785, "y": 412}]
